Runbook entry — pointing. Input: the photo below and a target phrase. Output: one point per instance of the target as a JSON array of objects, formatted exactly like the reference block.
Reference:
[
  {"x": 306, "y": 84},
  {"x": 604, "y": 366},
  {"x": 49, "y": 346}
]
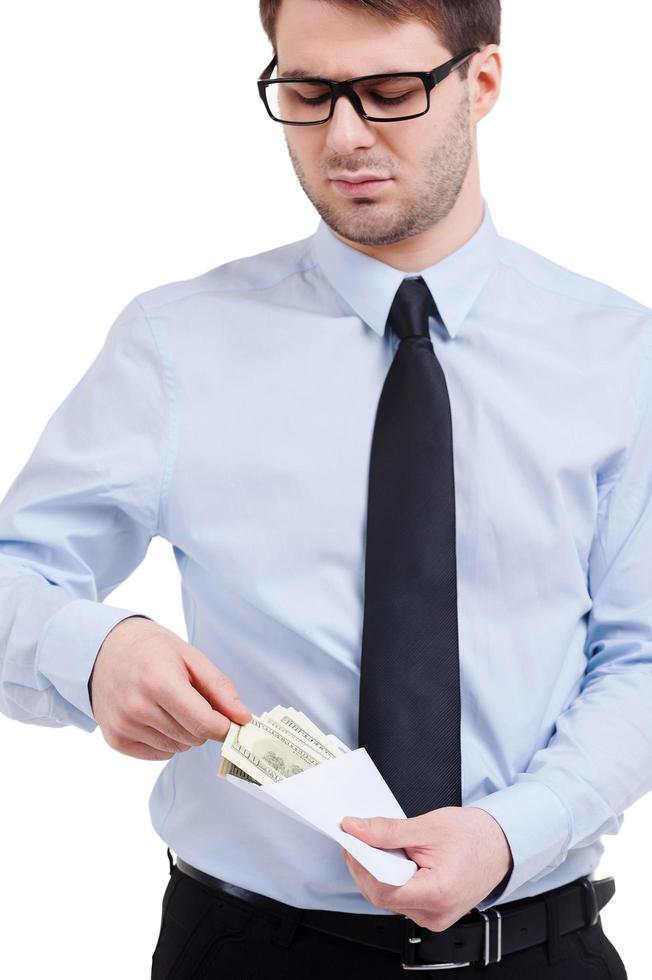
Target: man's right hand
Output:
[{"x": 153, "y": 694}]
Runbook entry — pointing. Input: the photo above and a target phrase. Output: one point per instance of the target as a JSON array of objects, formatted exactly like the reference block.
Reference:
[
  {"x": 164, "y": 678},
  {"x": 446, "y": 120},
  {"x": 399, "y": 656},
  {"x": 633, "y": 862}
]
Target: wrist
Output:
[{"x": 123, "y": 625}]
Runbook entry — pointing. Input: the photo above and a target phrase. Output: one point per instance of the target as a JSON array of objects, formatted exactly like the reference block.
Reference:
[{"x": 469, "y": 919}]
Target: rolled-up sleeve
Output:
[
  {"x": 76, "y": 521},
  {"x": 599, "y": 759}
]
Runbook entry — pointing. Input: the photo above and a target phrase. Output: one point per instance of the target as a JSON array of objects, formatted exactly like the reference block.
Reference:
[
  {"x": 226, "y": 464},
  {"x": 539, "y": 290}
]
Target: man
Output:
[{"x": 405, "y": 465}]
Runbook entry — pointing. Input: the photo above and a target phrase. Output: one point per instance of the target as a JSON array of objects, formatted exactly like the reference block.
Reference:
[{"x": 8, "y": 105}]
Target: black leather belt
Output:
[{"x": 478, "y": 938}]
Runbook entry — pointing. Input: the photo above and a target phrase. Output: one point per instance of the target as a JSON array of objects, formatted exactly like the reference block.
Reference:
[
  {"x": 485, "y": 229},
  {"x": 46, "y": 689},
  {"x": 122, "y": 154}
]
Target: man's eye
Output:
[
  {"x": 390, "y": 100},
  {"x": 308, "y": 94},
  {"x": 316, "y": 100}
]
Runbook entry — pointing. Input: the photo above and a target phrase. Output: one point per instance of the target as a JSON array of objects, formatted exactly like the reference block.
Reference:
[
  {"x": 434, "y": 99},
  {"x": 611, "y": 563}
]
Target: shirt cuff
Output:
[
  {"x": 538, "y": 828},
  {"x": 68, "y": 646}
]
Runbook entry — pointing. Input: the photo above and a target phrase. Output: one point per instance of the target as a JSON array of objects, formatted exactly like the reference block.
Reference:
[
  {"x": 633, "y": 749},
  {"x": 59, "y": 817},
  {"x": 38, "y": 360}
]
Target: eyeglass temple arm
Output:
[
  {"x": 270, "y": 68},
  {"x": 439, "y": 74}
]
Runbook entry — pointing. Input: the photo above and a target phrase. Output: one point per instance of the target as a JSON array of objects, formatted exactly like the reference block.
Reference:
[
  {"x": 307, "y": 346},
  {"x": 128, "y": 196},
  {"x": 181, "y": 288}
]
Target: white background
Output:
[{"x": 126, "y": 164}]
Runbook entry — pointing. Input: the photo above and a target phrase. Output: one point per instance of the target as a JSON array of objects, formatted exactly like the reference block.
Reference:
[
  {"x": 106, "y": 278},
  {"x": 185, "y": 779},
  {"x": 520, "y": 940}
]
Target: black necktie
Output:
[{"x": 409, "y": 717}]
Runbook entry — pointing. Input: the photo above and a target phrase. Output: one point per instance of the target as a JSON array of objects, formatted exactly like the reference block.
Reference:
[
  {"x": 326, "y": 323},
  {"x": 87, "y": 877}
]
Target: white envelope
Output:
[{"x": 319, "y": 797}]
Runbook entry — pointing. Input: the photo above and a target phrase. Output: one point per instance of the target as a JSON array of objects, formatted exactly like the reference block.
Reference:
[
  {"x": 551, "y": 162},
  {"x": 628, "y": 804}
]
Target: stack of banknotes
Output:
[{"x": 275, "y": 745}]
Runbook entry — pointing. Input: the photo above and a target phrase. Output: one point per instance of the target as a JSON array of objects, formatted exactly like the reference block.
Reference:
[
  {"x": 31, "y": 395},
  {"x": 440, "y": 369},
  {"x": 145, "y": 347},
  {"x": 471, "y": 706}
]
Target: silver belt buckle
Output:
[{"x": 411, "y": 939}]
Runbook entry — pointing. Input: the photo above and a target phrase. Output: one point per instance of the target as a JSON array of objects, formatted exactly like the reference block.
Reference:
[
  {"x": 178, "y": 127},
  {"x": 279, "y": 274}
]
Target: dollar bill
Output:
[{"x": 276, "y": 745}]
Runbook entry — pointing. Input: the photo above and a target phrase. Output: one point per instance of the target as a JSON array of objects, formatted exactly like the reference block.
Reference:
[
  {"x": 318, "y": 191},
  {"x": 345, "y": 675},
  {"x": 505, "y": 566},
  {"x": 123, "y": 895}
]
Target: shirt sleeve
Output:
[
  {"x": 598, "y": 761},
  {"x": 75, "y": 522}
]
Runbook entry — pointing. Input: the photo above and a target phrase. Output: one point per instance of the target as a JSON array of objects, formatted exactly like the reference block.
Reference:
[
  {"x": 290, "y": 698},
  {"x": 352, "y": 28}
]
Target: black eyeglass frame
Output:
[{"x": 429, "y": 78}]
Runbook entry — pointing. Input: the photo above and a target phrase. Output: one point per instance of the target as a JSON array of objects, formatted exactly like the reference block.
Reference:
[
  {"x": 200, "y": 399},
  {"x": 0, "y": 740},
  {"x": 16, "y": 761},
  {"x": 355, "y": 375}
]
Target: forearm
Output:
[{"x": 575, "y": 789}]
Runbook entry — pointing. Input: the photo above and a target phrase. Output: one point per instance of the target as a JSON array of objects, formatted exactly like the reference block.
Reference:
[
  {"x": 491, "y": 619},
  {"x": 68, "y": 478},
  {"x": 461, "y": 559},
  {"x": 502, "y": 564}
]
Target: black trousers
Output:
[{"x": 205, "y": 935}]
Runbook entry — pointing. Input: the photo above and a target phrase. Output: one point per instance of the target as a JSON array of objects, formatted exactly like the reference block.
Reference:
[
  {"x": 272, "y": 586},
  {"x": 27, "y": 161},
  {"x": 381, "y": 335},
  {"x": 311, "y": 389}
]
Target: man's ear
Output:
[{"x": 485, "y": 77}]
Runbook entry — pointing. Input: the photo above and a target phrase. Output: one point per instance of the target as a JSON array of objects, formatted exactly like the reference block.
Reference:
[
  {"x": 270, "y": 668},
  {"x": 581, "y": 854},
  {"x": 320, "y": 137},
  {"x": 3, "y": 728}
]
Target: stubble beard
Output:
[{"x": 371, "y": 222}]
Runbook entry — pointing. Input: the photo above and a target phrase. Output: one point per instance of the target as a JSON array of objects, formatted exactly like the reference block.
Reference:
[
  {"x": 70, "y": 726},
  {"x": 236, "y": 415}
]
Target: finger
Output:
[
  {"x": 140, "y": 731},
  {"x": 138, "y": 750},
  {"x": 418, "y": 892},
  {"x": 430, "y": 920},
  {"x": 218, "y": 689},
  {"x": 422, "y": 891},
  {"x": 389, "y": 832},
  {"x": 374, "y": 891},
  {"x": 193, "y": 712},
  {"x": 163, "y": 722},
  {"x": 420, "y": 916},
  {"x": 352, "y": 866},
  {"x": 150, "y": 736}
]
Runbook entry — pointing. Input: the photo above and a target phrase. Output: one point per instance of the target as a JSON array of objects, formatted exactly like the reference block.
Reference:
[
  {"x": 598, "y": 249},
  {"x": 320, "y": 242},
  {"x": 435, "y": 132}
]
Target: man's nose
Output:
[{"x": 346, "y": 130}]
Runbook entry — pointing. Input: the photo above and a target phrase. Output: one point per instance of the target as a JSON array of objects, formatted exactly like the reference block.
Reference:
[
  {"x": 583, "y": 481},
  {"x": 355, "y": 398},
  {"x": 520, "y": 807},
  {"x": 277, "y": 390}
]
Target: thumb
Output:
[
  {"x": 220, "y": 692},
  {"x": 384, "y": 831}
]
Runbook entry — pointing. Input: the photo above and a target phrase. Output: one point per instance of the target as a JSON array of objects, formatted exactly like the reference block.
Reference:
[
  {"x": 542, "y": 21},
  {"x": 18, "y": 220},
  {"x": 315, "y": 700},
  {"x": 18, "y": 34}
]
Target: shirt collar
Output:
[{"x": 369, "y": 285}]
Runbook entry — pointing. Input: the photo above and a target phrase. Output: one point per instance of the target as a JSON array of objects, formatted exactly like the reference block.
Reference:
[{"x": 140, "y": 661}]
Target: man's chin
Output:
[
  {"x": 370, "y": 232},
  {"x": 363, "y": 227}
]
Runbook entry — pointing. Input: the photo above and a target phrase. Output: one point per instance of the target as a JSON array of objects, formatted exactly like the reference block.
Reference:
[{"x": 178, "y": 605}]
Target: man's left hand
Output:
[{"x": 462, "y": 854}]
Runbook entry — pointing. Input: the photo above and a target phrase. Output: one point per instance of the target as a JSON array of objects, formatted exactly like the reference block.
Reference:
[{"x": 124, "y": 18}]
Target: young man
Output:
[{"x": 405, "y": 465}]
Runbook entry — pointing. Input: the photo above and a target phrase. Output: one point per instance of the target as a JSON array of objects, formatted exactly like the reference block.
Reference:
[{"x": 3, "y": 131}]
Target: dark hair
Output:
[{"x": 460, "y": 24}]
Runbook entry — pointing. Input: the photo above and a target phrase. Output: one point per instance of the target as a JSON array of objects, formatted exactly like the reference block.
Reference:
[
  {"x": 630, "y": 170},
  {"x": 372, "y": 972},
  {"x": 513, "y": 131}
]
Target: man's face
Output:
[{"x": 427, "y": 158}]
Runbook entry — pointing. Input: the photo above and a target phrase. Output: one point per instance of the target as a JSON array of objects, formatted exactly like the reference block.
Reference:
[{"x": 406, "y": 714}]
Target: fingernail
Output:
[{"x": 357, "y": 821}]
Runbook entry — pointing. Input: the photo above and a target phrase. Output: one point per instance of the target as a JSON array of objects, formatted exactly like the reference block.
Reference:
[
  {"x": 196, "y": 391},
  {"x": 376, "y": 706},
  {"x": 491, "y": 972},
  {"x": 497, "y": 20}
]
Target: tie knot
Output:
[{"x": 413, "y": 303}]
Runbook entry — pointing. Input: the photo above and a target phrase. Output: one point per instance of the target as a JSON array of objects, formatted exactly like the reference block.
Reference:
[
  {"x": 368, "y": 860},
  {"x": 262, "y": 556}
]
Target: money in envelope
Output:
[{"x": 282, "y": 759}]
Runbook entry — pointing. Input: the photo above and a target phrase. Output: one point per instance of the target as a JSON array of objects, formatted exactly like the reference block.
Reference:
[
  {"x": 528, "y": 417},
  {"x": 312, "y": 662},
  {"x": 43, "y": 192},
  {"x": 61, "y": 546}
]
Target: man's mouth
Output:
[{"x": 360, "y": 187}]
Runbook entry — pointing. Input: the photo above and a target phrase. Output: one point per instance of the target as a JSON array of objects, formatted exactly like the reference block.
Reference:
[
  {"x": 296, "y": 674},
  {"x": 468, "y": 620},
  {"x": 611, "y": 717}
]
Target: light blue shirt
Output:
[{"x": 232, "y": 414}]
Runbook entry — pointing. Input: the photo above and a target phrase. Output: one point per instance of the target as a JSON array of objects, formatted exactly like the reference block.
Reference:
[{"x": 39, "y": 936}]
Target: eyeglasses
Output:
[{"x": 376, "y": 98}]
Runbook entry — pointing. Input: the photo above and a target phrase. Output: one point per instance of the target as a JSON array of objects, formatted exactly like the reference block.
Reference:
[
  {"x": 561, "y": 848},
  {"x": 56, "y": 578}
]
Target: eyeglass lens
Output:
[{"x": 383, "y": 98}]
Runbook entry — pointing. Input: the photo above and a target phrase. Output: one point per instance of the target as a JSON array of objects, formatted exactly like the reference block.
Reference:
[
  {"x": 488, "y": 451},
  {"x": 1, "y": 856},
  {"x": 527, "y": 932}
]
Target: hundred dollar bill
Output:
[
  {"x": 297, "y": 733},
  {"x": 275, "y": 745},
  {"x": 302, "y": 727},
  {"x": 229, "y": 768},
  {"x": 286, "y": 729},
  {"x": 265, "y": 753},
  {"x": 336, "y": 744}
]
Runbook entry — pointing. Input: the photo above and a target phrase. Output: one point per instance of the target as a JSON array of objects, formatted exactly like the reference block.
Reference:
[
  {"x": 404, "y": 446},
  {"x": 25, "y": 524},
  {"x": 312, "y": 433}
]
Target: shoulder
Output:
[
  {"x": 260, "y": 271},
  {"x": 556, "y": 283}
]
